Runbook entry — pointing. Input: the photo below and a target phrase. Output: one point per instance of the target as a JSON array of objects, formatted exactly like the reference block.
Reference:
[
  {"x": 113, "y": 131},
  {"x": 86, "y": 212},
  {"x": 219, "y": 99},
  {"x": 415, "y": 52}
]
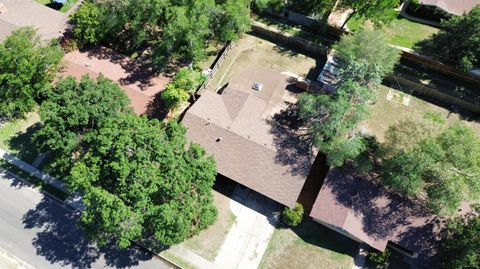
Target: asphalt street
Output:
[{"x": 44, "y": 234}]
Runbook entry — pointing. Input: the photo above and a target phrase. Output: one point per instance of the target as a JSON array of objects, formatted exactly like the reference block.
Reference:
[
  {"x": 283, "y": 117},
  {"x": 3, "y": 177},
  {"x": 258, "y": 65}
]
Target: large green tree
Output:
[
  {"x": 319, "y": 8},
  {"x": 365, "y": 57},
  {"x": 331, "y": 120},
  {"x": 142, "y": 178},
  {"x": 377, "y": 11},
  {"x": 74, "y": 111},
  {"x": 27, "y": 66},
  {"x": 461, "y": 248},
  {"x": 167, "y": 29},
  {"x": 441, "y": 168},
  {"x": 458, "y": 41}
]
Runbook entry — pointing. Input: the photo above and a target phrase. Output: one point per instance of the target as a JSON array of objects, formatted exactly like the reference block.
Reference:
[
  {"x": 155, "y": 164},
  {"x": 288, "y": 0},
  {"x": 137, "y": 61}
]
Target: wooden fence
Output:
[{"x": 215, "y": 66}]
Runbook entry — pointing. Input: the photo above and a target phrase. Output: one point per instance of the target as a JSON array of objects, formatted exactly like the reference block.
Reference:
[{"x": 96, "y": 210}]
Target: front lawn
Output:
[
  {"x": 311, "y": 245},
  {"x": 16, "y": 137},
  {"x": 208, "y": 242},
  {"x": 400, "y": 31}
]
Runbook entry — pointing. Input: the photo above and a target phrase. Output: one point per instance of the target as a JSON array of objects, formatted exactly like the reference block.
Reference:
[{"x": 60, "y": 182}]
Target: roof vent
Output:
[
  {"x": 257, "y": 86},
  {"x": 3, "y": 8},
  {"x": 219, "y": 139}
]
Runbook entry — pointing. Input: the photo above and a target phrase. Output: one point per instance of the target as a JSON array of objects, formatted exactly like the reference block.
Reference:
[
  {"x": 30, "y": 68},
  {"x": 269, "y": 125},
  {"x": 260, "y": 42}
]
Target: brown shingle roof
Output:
[
  {"x": 457, "y": 7},
  {"x": 237, "y": 127},
  {"x": 358, "y": 204}
]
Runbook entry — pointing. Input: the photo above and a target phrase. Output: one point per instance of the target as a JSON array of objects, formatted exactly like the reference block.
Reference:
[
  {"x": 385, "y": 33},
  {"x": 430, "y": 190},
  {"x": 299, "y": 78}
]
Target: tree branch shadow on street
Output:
[{"x": 60, "y": 240}]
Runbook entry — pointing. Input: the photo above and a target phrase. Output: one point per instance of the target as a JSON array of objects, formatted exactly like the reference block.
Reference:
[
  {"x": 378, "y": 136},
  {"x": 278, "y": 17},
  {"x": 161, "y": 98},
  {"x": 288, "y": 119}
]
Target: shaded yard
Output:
[
  {"x": 16, "y": 137},
  {"x": 311, "y": 245},
  {"x": 387, "y": 112},
  {"x": 400, "y": 31}
]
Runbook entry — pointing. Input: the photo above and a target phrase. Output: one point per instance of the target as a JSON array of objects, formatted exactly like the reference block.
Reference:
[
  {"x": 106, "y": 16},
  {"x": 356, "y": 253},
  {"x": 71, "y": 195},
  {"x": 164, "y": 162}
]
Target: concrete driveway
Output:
[{"x": 42, "y": 233}]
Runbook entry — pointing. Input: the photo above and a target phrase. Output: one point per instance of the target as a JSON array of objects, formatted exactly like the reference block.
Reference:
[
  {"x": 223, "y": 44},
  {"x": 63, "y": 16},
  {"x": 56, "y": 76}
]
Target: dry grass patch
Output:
[
  {"x": 253, "y": 52},
  {"x": 311, "y": 245},
  {"x": 208, "y": 242},
  {"x": 387, "y": 112}
]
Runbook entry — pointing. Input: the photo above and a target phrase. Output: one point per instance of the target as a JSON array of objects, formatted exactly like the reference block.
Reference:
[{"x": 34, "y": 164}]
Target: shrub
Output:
[
  {"x": 379, "y": 258},
  {"x": 174, "y": 96},
  {"x": 293, "y": 216}
]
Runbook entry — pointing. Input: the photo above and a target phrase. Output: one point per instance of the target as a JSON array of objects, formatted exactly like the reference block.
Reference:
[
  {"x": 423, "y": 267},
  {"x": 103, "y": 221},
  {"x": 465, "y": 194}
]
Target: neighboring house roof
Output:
[
  {"x": 139, "y": 83},
  {"x": 239, "y": 129},
  {"x": 360, "y": 206},
  {"x": 457, "y": 7},
  {"x": 49, "y": 22}
]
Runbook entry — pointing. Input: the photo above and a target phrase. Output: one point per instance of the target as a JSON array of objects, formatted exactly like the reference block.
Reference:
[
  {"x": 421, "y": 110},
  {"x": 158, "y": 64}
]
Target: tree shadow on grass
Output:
[
  {"x": 24, "y": 143},
  {"x": 316, "y": 234},
  {"x": 60, "y": 241}
]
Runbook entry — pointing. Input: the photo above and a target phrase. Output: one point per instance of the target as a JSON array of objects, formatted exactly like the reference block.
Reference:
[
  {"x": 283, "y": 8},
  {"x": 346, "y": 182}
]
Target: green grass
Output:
[
  {"x": 311, "y": 245},
  {"x": 16, "y": 137},
  {"x": 64, "y": 8},
  {"x": 400, "y": 31}
]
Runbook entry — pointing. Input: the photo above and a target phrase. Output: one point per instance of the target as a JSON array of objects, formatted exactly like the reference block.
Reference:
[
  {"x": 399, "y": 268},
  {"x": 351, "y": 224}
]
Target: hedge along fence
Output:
[
  {"x": 288, "y": 40},
  {"x": 432, "y": 93},
  {"x": 215, "y": 66}
]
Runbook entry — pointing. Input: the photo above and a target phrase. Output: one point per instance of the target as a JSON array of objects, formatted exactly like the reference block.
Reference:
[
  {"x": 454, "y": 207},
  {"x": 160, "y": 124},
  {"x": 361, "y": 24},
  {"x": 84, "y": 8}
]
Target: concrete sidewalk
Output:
[{"x": 33, "y": 171}]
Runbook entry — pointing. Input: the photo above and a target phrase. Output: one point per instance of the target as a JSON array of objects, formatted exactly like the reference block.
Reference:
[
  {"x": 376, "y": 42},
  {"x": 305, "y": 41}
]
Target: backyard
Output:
[
  {"x": 400, "y": 31},
  {"x": 310, "y": 245},
  {"x": 394, "y": 105},
  {"x": 253, "y": 52}
]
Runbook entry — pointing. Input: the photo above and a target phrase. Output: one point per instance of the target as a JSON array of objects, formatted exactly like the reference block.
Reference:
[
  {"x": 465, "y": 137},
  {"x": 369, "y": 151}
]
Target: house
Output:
[
  {"x": 456, "y": 7},
  {"x": 242, "y": 128},
  {"x": 358, "y": 206},
  {"x": 140, "y": 84},
  {"x": 19, "y": 13}
]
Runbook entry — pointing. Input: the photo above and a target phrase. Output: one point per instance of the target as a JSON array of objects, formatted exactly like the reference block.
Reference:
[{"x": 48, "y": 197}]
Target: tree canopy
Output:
[
  {"x": 365, "y": 57},
  {"x": 182, "y": 87},
  {"x": 461, "y": 248},
  {"x": 439, "y": 167},
  {"x": 319, "y": 8},
  {"x": 139, "y": 178},
  {"x": 458, "y": 41},
  {"x": 27, "y": 66},
  {"x": 169, "y": 30},
  {"x": 74, "y": 111},
  {"x": 377, "y": 11},
  {"x": 331, "y": 120}
]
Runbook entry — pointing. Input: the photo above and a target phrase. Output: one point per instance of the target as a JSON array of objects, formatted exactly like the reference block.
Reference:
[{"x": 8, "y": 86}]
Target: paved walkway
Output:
[
  {"x": 32, "y": 171},
  {"x": 9, "y": 261},
  {"x": 247, "y": 240},
  {"x": 249, "y": 236}
]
